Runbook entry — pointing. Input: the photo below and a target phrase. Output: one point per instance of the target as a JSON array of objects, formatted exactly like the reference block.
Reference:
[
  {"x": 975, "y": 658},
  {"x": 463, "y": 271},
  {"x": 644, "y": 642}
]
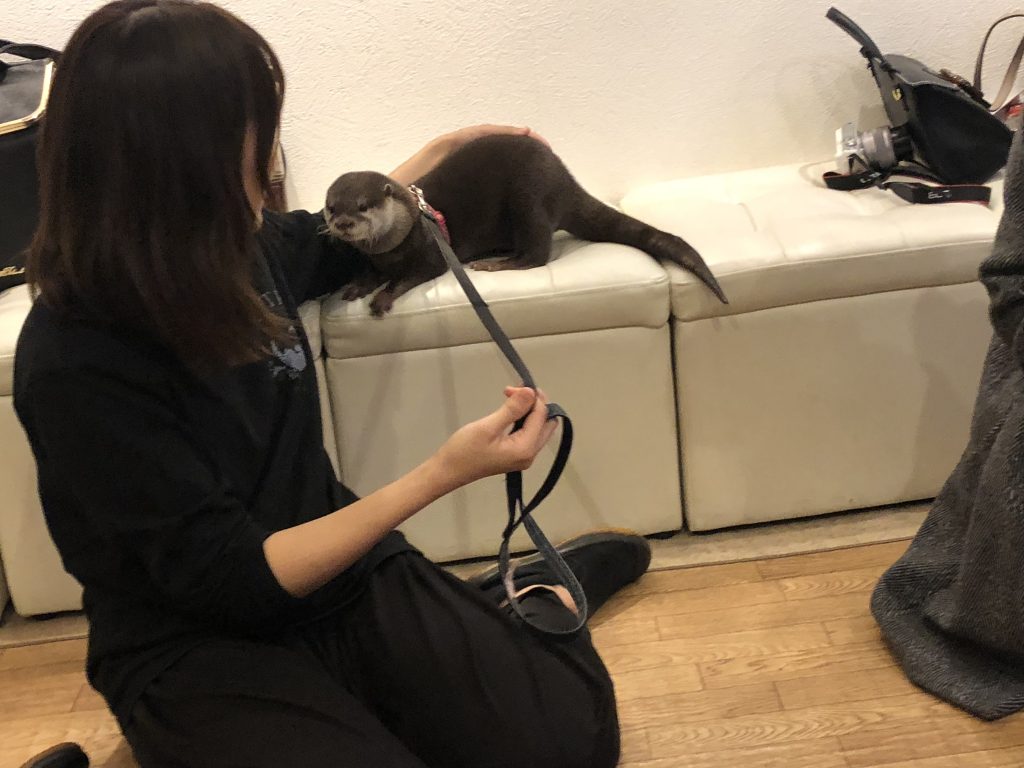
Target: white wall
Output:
[{"x": 628, "y": 93}]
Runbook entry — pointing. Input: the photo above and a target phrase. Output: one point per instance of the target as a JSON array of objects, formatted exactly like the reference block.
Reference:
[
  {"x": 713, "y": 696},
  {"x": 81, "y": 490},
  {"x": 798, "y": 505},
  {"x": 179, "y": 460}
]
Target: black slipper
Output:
[
  {"x": 603, "y": 561},
  {"x": 65, "y": 755}
]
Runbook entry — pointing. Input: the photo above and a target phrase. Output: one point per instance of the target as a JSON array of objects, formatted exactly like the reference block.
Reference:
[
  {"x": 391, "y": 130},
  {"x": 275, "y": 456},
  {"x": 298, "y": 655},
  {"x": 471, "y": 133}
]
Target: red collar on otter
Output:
[{"x": 432, "y": 212}]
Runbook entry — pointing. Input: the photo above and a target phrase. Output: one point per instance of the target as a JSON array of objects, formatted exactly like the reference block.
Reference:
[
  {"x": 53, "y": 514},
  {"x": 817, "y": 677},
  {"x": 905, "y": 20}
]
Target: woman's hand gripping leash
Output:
[{"x": 507, "y": 440}]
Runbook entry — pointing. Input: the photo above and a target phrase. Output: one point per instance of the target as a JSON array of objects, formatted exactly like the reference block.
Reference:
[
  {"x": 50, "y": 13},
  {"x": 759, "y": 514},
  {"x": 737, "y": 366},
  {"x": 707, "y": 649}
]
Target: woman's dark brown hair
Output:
[{"x": 145, "y": 223}]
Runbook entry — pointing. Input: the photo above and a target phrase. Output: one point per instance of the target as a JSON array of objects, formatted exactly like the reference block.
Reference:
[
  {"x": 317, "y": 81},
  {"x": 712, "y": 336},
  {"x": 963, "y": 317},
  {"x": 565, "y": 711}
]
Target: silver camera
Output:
[{"x": 877, "y": 149}]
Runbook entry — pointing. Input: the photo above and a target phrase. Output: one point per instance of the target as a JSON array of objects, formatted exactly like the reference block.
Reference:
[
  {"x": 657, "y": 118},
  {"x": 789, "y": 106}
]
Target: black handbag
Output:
[
  {"x": 26, "y": 72},
  {"x": 940, "y": 129}
]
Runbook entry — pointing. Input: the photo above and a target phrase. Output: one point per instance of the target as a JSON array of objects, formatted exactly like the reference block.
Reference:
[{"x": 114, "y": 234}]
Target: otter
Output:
[
  {"x": 382, "y": 220},
  {"x": 502, "y": 198}
]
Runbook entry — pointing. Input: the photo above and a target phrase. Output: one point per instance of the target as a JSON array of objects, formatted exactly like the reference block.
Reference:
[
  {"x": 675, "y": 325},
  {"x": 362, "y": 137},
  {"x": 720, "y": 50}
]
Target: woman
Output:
[{"x": 245, "y": 608}]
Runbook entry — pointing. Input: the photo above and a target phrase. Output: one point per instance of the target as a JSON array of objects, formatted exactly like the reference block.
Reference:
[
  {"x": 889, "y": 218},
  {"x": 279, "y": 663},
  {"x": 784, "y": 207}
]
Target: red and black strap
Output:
[{"x": 912, "y": 192}]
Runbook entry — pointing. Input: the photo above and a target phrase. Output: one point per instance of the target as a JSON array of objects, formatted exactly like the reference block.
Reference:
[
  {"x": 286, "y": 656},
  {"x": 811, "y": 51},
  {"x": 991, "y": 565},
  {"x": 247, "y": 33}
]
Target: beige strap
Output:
[{"x": 1011, "y": 71}]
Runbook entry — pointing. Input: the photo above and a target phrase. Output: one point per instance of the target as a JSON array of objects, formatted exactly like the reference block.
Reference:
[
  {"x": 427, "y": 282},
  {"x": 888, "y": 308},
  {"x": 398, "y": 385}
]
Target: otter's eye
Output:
[{"x": 363, "y": 207}]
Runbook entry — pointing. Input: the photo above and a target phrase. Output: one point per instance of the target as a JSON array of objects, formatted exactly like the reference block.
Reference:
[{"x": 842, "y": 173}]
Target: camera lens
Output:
[
  {"x": 902, "y": 146},
  {"x": 878, "y": 148}
]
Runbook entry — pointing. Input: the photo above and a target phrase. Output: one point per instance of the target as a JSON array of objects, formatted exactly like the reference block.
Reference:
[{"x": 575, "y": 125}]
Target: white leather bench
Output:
[
  {"x": 35, "y": 577},
  {"x": 842, "y": 375},
  {"x": 592, "y": 326},
  {"x": 843, "y": 372}
]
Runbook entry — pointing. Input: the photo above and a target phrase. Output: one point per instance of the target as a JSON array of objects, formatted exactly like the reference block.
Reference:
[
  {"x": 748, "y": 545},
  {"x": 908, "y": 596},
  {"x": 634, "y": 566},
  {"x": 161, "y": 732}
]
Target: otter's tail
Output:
[{"x": 590, "y": 219}]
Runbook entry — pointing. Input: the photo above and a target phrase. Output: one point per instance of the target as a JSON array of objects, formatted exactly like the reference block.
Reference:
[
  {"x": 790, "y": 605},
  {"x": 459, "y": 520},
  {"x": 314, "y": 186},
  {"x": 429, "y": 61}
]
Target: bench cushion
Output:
[
  {"x": 585, "y": 287},
  {"x": 778, "y": 237}
]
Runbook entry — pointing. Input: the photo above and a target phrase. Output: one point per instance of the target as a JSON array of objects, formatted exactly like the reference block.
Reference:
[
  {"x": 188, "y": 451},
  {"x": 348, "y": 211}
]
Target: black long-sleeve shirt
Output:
[{"x": 160, "y": 487}]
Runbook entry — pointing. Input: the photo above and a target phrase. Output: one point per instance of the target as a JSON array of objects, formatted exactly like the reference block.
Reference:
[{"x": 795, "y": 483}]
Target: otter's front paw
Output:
[
  {"x": 357, "y": 289},
  {"x": 382, "y": 303}
]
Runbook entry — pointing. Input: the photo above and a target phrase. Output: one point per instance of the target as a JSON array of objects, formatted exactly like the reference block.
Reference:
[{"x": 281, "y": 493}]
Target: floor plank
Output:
[
  {"x": 856, "y": 629},
  {"x": 625, "y": 631},
  {"x": 950, "y": 732},
  {"x": 88, "y": 700},
  {"x": 813, "y": 662},
  {"x": 97, "y": 732},
  {"x": 658, "y": 681},
  {"x": 858, "y": 580},
  {"x": 841, "y": 687},
  {"x": 725, "y": 618},
  {"x": 699, "y": 706},
  {"x": 1012, "y": 757},
  {"x": 834, "y": 560},
  {"x": 40, "y": 691},
  {"x": 738, "y": 596},
  {"x": 811, "y": 724},
  {"x": 39, "y": 655},
  {"x": 634, "y": 746},
  {"x": 736, "y": 645},
  {"x": 824, "y": 753},
  {"x": 682, "y": 579}
]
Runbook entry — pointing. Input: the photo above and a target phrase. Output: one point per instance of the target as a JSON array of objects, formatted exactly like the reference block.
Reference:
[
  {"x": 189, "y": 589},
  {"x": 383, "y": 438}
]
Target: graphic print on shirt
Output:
[{"x": 288, "y": 361}]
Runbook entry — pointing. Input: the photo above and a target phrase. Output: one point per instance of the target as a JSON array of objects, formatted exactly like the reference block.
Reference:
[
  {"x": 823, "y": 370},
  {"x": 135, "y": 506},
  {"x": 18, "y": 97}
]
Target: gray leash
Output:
[{"x": 520, "y": 512}]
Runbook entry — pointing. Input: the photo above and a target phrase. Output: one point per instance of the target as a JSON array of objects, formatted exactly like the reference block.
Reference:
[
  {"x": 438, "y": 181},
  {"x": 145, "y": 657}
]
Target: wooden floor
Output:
[{"x": 774, "y": 663}]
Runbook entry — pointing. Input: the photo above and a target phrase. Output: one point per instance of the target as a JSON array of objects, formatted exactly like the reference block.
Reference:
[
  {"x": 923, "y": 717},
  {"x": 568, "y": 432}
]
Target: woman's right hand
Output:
[
  {"x": 305, "y": 557},
  {"x": 489, "y": 447}
]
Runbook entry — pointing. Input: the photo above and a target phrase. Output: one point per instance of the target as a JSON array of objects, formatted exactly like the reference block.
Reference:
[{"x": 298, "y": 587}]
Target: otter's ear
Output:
[{"x": 388, "y": 192}]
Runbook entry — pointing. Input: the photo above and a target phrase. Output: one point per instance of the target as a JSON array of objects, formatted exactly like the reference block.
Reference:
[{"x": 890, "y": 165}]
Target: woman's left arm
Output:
[{"x": 438, "y": 149}]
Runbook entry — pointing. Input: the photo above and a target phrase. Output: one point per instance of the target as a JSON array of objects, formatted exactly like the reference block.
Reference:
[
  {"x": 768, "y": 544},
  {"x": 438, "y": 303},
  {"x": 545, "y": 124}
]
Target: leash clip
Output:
[
  {"x": 420, "y": 199},
  {"x": 430, "y": 213}
]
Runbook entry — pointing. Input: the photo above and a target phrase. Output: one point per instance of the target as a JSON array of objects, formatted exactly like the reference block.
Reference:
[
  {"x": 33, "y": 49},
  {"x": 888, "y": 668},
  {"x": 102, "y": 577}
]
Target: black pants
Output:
[{"x": 420, "y": 671}]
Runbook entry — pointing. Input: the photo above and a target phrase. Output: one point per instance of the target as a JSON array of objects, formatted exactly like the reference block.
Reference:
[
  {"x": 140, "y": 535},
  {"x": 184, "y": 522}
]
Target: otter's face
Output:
[{"x": 364, "y": 212}]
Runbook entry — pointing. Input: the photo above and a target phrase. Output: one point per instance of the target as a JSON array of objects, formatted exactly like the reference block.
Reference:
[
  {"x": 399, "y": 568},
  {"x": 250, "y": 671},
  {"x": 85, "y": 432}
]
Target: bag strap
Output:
[
  {"x": 520, "y": 512},
  {"x": 868, "y": 48},
  {"x": 28, "y": 51},
  {"x": 1010, "y": 77}
]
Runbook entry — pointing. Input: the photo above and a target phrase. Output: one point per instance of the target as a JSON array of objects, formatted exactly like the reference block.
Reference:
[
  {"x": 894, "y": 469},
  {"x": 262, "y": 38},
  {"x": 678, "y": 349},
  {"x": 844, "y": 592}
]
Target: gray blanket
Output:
[{"x": 952, "y": 608}]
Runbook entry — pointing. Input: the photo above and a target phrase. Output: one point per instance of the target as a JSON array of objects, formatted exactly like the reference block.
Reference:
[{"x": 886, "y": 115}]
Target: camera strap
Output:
[
  {"x": 925, "y": 194},
  {"x": 520, "y": 512},
  {"x": 912, "y": 192}
]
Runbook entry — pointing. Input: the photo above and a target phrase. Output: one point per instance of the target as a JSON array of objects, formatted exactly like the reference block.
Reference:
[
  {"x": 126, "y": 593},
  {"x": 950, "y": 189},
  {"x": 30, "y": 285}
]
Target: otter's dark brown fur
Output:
[
  {"x": 382, "y": 219},
  {"x": 503, "y": 197}
]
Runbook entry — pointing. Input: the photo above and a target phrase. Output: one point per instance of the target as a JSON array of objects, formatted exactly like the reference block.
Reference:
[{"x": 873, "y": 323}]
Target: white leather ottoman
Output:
[
  {"x": 843, "y": 373},
  {"x": 36, "y": 578},
  {"x": 592, "y": 326},
  {"x": 37, "y": 581}
]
